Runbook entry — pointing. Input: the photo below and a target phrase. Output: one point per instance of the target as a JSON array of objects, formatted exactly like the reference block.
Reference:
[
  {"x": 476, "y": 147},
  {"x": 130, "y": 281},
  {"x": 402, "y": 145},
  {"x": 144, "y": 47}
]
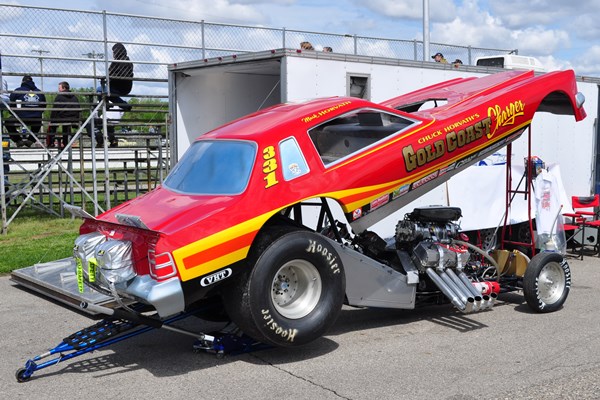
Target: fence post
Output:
[
  {"x": 415, "y": 53},
  {"x": 137, "y": 174},
  {"x": 203, "y": 42},
  {"x": 116, "y": 189},
  {"x": 125, "y": 185},
  {"x": 82, "y": 168},
  {"x": 469, "y": 51},
  {"x": 355, "y": 44},
  {"x": 283, "y": 37}
]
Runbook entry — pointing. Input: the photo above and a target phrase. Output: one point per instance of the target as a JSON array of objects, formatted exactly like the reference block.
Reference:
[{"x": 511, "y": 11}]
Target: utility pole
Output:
[
  {"x": 425, "y": 30},
  {"x": 40, "y": 52}
]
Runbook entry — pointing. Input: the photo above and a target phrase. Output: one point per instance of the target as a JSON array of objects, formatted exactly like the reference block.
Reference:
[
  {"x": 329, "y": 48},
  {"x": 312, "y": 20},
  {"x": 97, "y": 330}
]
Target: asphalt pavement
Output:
[{"x": 429, "y": 353}]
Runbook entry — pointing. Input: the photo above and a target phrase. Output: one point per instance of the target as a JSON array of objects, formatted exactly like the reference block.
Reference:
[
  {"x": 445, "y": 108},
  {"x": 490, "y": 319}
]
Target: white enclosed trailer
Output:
[{"x": 207, "y": 93}]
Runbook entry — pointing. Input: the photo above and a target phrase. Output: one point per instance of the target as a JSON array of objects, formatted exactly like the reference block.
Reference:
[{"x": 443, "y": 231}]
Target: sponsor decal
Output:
[
  {"x": 326, "y": 111},
  {"x": 378, "y": 202},
  {"x": 424, "y": 180},
  {"x": 467, "y": 160},
  {"x": 216, "y": 277},
  {"x": 447, "y": 168},
  {"x": 505, "y": 116},
  {"x": 400, "y": 191},
  {"x": 294, "y": 169},
  {"x": 356, "y": 214}
]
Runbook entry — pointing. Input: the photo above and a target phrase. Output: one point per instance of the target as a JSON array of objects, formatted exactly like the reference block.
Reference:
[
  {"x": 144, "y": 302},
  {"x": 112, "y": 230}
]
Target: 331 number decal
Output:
[{"x": 270, "y": 167}]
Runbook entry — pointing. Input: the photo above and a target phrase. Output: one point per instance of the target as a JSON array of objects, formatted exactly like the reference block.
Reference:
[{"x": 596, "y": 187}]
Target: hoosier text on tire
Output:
[{"x": 294, "y": 291}]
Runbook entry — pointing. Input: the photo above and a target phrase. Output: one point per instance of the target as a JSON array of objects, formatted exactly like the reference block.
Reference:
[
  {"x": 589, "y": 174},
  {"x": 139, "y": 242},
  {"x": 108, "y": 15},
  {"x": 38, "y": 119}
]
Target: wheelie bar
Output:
[{"x": 117, "y": 327}]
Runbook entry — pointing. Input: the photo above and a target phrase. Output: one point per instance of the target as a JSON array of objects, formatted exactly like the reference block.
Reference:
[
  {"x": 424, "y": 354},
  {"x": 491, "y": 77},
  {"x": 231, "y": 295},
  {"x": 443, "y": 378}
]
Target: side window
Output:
[
  {"x": 293, "y": 164},
  {"x": 356, "y": 131}
]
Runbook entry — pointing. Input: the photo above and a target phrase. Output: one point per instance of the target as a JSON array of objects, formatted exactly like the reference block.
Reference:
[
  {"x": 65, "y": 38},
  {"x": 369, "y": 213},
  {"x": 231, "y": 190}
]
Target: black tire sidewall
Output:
[
  {"x": 530, "y": 281},
  {"x": 275, "y": 328}
]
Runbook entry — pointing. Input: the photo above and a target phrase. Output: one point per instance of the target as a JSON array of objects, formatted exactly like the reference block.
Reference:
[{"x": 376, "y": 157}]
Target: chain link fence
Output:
[{"x": 77, "y": 44}]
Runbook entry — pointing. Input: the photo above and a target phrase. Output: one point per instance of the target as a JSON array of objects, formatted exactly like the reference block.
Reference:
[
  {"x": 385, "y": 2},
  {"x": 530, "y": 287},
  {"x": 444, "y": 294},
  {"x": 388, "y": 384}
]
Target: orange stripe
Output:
[
  {"x": 219, "y": 250},
  {"x": 365, "y": 195}
]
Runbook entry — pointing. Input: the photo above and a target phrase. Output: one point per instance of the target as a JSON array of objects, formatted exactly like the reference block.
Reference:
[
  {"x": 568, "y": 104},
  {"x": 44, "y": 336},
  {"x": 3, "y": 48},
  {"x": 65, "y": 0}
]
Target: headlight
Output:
[
  {"x": 84, "y": 251},
  {"x": 115, "y": 261}
]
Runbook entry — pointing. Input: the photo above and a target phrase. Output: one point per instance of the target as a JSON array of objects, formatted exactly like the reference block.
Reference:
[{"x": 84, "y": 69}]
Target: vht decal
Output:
[
  {"x": 216, "y": 277},
  {"x": 453, "y": 140}
]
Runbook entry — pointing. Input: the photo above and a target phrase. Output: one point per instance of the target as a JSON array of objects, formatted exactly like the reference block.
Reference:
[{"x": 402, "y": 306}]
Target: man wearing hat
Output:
[
  {"x": 439, "y": 57},
  {"x": 28, "y": 103}
]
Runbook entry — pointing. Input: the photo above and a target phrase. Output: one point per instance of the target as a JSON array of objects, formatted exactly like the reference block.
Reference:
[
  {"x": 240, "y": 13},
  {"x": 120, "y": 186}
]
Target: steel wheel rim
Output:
[
  {"x": 296, "y": 289},
  {"x": 551, "y": 283}
]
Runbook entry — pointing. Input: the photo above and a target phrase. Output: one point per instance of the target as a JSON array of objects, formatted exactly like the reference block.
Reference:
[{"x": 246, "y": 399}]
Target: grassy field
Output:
[{"x": 36, "y": 239}]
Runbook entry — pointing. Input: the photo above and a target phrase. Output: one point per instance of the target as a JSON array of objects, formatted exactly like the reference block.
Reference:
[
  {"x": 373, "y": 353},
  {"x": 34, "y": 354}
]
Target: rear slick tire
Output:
[
  {"x": 294, "y": 292},
  {"x": 547, "y": 282}
]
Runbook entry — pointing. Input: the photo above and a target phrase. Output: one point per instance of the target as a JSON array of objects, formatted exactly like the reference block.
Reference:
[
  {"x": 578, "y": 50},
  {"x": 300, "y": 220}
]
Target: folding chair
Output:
[{"x": 581, "y": 219}]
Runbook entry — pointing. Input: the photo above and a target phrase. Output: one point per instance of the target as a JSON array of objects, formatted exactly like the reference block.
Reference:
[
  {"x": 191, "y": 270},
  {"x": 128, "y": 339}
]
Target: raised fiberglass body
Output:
[{"x": 182, "y": 241}]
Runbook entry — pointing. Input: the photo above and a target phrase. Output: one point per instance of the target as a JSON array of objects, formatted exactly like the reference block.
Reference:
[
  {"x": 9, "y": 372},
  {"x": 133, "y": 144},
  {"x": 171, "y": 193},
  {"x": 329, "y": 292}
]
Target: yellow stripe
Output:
[{"x": 256, "y": 223}]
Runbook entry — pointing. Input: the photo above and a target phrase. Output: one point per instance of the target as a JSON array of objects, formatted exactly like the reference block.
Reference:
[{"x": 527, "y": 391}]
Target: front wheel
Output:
[
  {"x": 294, "y": 292},
  {"x": 547, "y": 282}
]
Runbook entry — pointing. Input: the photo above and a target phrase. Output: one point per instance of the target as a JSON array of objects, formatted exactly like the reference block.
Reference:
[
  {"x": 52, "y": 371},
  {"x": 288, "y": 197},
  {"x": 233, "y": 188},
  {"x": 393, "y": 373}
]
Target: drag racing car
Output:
[{"x": 247, "y": 217}]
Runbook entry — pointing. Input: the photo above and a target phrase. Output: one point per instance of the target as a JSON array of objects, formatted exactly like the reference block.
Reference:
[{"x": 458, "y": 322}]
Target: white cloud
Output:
[
  {"x": 191, "y": 10},
  {"x": 538, "y": 41},
  {"x": 490, "y": 31},
  {"x": 553, "y": 64},
  {"x": 439, "y": 10},
  {"x": 588, "y": 65}
]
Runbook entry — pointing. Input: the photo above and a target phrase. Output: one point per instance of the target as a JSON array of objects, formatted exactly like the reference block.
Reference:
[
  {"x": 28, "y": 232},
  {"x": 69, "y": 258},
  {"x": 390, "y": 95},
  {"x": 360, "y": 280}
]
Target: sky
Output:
[{"x": 561, "y": 34}]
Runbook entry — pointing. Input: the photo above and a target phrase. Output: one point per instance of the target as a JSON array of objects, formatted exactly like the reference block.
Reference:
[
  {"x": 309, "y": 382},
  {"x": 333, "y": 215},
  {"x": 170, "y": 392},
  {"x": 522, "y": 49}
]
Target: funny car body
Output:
[{"x": 245, "y": 216}]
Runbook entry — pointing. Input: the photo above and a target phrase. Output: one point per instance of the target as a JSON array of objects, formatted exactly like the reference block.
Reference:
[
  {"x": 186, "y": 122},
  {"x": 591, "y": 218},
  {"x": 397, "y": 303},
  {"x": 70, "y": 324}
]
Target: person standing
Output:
[
  {"x": 65, "y": 111},
  {"x": 28, "y": 103}
]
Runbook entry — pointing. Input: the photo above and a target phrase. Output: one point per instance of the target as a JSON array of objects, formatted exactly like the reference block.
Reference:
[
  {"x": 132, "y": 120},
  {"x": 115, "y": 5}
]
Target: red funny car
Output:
[{"x": 245, "y": 215}]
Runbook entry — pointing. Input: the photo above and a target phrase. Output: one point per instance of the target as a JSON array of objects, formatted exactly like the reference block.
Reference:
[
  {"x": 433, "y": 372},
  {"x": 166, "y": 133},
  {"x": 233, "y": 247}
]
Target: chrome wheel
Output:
[
  {"x": 547, "y": 282},
  {"x": 551, "y": 283},
  {"x": 296, "y": 289}
]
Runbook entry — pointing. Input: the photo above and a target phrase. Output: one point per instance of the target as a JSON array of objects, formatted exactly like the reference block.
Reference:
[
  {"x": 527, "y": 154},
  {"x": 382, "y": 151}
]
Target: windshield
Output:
[{"x": 213, "y": 167}]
